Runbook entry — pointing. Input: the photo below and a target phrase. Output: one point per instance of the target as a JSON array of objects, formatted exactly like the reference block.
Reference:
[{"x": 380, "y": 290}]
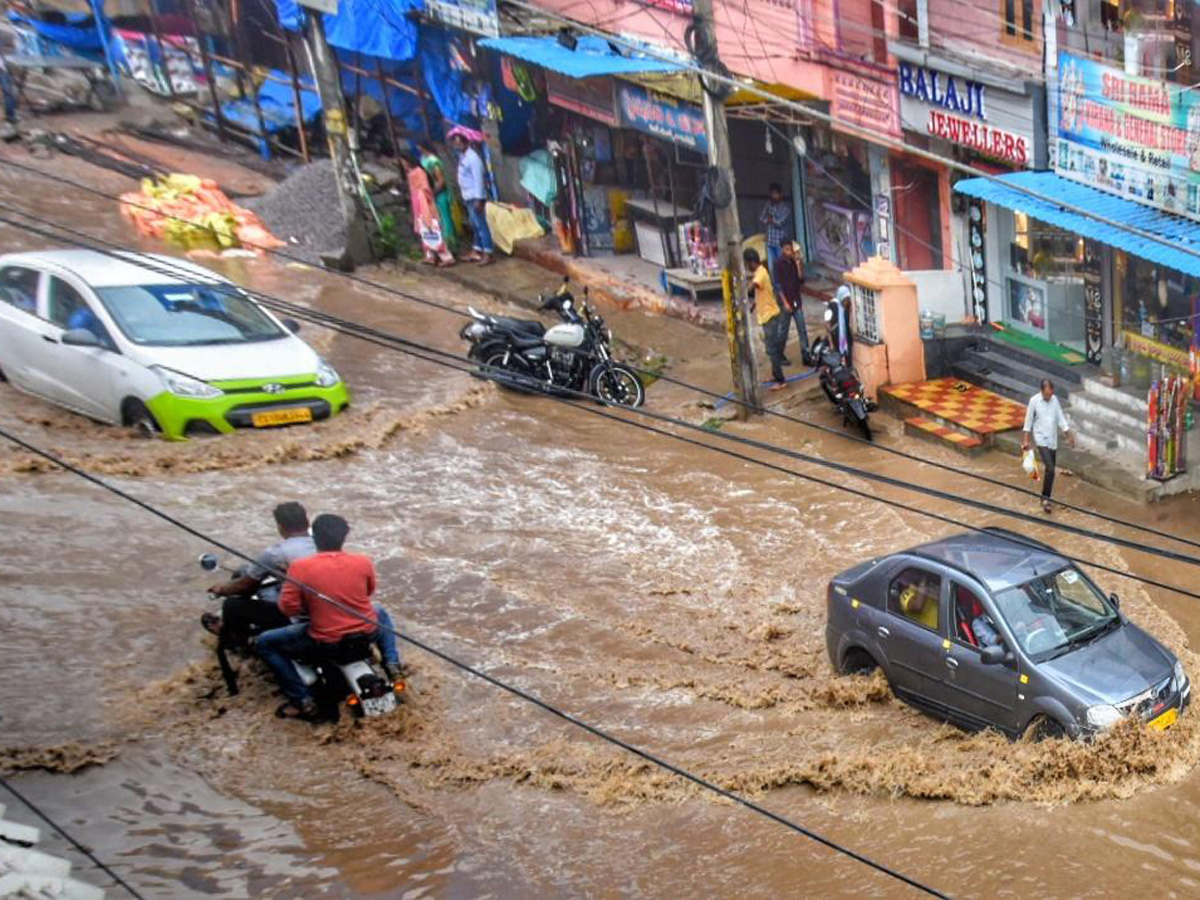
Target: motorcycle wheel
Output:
[
  {"x": 828, "y": 392},
  {"x": 617, "y": 385},
  {"x": 494, "y": 368},
  {"x": 858, "y": 413}
]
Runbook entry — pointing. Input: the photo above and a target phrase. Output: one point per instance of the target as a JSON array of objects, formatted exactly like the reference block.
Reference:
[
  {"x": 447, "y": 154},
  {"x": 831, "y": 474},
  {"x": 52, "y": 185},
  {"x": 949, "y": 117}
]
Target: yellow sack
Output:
[{"x": 509, "y": 224}]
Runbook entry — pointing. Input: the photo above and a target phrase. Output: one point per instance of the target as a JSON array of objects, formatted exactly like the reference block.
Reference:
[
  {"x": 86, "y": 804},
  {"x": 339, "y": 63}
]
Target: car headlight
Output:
[
  {"x": 1103, "y": 716},
  {"x": 186, "y": 386},
  {"x": 1179, "y": 679},
  {"x": 327, "y": 376}
]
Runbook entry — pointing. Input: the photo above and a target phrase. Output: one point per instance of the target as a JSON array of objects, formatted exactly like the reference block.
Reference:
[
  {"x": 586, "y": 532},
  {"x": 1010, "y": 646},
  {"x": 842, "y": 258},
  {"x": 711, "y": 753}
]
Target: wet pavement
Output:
[{"x": 669, "y": 594}]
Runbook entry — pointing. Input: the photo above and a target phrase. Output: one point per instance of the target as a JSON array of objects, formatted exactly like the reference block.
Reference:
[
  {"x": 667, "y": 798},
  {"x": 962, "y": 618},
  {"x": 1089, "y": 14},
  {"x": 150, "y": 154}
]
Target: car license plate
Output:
[
  {"x": 281, "y": 417},
  {"x": 1166, "y": 720},
  {"x": 378, "y": 706}
]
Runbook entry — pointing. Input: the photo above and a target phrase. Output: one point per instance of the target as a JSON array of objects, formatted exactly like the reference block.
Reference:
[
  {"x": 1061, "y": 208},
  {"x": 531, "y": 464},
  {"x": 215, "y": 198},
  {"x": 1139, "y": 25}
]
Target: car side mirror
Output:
[
  {"x": 993, "y": 655},
  {"x": 208, "y": 562},
  {"x": 291, "y": 325},
  {"x": 1115, "y": 601},
  {"x": 80, "y": 337}
]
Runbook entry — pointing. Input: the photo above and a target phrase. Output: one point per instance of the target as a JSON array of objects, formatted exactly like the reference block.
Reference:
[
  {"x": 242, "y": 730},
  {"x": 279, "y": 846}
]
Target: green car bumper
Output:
[{"x": 245, "y": 404}]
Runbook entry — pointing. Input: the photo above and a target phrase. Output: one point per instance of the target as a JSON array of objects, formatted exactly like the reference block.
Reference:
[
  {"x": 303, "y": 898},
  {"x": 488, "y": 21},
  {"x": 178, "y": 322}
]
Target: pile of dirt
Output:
[
  {"x": 62, "y": 758},
  {"x": 305, "y": 211}
]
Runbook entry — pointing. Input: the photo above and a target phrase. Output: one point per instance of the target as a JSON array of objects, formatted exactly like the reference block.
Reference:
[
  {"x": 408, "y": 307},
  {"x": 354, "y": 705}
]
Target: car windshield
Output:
[
  {"x": 1056, "y": 612},
  {"x": 187, "y": 315}
]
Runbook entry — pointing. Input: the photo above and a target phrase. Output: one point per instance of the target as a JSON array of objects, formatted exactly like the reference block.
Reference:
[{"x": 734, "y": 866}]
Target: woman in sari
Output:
[
  {"x": 433, "y": 167},
  {"x": 426, "y": 221}
]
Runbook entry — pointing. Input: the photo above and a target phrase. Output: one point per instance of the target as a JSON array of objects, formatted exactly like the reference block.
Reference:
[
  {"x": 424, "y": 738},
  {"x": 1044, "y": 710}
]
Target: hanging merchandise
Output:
[{"x": 1166, "y": 427}]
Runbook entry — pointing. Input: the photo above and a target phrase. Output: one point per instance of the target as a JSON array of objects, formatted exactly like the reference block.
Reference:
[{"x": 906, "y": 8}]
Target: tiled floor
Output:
[{"x": 962, "y": 403}]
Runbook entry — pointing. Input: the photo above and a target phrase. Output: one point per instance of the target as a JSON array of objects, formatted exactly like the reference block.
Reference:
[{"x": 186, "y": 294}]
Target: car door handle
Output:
[
  {"x": 952, "y": 662},
  {"x": 882, "y": 631},
  {"x": 49, "y": 340}
]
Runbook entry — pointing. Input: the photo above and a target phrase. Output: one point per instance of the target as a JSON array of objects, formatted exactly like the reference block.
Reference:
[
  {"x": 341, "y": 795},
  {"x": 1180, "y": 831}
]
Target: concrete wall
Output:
[
  {"x": 975, "y": 29},
  {"x": 941, "y": 291}
]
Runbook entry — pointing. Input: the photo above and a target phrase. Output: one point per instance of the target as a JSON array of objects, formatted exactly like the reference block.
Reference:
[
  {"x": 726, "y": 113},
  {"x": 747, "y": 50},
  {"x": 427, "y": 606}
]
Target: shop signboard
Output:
[
  {"x": 475, "y": 16},
  {"x": 868, "y": 104},
  {"x": 591, "y": 97},
  {"x": 1132, "y": 136},
  {"x": 977, "y": 235},
  {"x": 1093, "y": 303},
  {"x": 662, "y": 116},
  {"x": 1152, "y": 349},
  {"x": 967, "y": 113},
  {"x": 683, "y": 7}
]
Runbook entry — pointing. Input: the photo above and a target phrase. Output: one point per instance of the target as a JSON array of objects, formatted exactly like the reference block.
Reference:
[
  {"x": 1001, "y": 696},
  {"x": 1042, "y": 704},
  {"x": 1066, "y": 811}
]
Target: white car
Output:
[{"x": 177, "y": 354}]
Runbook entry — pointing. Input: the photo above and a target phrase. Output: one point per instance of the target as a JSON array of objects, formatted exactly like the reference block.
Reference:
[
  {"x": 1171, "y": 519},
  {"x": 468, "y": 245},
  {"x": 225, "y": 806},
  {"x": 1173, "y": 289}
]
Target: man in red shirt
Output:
[{"x": 348, "y": 578}]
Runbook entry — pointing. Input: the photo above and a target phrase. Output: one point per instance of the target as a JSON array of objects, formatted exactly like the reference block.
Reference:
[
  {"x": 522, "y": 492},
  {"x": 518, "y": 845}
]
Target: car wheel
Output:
[
  {"x": 1044, "y": 728},
  {"x": 858, "y": 662},
  {"x": 140, "y": 419},
  {"x": 3, "y": 377}
]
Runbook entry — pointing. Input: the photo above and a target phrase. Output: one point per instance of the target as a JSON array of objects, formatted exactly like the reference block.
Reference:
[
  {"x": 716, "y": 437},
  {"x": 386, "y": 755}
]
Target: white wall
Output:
[{"x": 941, "y": 291}]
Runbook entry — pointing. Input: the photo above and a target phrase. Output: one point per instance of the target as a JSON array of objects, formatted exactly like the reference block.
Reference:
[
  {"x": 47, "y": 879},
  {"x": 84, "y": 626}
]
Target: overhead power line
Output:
[
  {"x": 528, "y": 697},
  {"x": 451, "y": 360},
  {"x": 405, "y": 295}
]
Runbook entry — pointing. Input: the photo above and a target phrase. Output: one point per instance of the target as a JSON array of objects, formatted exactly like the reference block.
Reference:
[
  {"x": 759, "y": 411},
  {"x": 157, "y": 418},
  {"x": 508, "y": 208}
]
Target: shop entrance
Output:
[{"x": 918, "y": 219}]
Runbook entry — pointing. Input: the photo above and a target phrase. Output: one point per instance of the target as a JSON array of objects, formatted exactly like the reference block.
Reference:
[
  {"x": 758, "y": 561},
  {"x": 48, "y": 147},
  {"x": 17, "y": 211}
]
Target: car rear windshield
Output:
[
  {"x": 1054, "y": 613},
  {"x": 187, "y": 315}
]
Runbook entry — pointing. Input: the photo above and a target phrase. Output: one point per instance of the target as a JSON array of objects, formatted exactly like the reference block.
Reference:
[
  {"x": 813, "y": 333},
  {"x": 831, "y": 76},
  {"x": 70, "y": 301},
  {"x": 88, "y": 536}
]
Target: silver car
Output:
[{"x": 995, "y": 630}]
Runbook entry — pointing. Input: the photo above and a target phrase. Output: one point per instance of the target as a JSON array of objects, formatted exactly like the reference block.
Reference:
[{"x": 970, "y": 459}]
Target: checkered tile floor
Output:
[
  {"x": 946, "y": 434},
  {"x": 962, "y": 403}
]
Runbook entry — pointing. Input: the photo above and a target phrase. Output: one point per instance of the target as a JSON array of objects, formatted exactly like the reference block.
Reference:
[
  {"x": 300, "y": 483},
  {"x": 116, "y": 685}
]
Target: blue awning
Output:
[
  {"x": 1180, "y": 235},
  {"x": 592, "y": 56}
]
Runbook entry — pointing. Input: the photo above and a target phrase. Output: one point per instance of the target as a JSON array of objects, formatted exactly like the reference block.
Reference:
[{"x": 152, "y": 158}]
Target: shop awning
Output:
[
  {"x": 1180, "y": 245},
  {"x": 592, "y": 56}
]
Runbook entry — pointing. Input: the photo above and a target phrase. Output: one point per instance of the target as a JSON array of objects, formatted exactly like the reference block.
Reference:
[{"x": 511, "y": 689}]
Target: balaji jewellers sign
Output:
[
  {"x": 1133, "y": 136},
  {"x": 989, "y": 121}
]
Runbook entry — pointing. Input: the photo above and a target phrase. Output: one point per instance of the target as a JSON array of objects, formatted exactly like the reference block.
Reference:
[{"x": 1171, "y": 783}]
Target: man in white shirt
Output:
[
  {"x": 473, "y": 187},
  {"x": 1043, "y": 418}
]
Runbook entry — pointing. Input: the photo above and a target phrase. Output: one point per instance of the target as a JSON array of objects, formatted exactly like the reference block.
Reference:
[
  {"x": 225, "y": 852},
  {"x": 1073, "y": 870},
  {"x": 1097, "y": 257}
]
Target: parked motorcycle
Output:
[
  {"x": 574, "y": 356},
  {"x": 344, "y": 673},
  {"x": 841, "y": 385}
]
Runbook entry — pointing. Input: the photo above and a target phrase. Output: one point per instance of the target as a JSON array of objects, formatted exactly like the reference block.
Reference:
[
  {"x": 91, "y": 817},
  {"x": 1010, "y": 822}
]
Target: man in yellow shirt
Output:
[
  {"x": 920, "y": 603},
  {"x": 770, "y": 317}
]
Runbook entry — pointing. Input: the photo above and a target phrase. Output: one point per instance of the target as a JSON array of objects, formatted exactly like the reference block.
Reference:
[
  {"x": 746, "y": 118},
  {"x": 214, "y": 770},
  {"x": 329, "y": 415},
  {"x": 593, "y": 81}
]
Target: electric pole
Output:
[
  {"x": 329, "y": 88},
  {"x": 729, "y": 229}
]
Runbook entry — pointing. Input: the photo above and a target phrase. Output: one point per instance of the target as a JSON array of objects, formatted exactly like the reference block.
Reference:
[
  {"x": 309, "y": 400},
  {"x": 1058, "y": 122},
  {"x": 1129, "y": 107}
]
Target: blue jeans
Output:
[
  {"x": 476, "y": 209},
  {"x": 801, "y": 329},
  {"x": 10, "y": 97},
  {"x": 279, "y": 646},
  {"x": 773, "y": 254}
]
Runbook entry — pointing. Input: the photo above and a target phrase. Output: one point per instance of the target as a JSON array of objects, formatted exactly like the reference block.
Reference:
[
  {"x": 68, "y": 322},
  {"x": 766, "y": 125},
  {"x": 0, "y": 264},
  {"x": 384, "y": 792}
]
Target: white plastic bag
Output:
[{"x": 1030, "y": 465}]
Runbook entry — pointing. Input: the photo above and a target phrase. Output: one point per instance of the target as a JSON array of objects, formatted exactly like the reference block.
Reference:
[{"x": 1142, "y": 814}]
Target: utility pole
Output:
[
  {"x": 729, "y": 228},
  {"x": 329, "y": 89}
]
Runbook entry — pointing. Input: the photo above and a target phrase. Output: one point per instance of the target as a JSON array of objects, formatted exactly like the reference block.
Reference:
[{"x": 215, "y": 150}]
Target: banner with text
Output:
[
  {"x": 1133, "y": 136},
  {"x": 662, "y": 116}
]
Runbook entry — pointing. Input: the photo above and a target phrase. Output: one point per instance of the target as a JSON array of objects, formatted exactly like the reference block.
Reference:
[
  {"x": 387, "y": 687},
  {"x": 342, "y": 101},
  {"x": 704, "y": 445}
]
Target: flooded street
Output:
[{"x": 669, "y": 594}]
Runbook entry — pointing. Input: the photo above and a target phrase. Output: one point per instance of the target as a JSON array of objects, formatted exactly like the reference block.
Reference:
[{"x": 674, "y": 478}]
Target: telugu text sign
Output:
[
  {"x": 865, "y": 103},
  {"x": 662, "y": 116}
]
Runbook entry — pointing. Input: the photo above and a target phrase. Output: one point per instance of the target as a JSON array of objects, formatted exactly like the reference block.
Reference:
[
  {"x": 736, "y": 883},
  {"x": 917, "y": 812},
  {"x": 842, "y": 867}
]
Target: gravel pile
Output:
[{"x": 304, "y": 211}]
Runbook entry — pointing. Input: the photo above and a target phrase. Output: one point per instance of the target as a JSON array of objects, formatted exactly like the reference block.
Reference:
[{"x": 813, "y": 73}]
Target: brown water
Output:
[{"x": 671, "y": 595}]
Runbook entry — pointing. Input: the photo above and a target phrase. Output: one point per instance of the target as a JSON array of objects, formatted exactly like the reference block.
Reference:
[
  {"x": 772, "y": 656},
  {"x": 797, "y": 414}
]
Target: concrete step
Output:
[
  {"x": 929, "y": 429},
  {"x": 1008, "y": 386},
  {"x": 1059, "y": 373},
  {"x": 1098, "y": 468},
  {"x": 1102, "y": 434},
  {"x": 1018, "y": 370},
  {"x": 1128, "y": 398}
]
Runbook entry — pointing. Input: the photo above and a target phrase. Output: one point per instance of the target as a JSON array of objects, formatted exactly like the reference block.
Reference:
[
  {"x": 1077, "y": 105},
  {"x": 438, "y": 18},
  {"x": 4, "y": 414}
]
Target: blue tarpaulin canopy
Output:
[
  {"x": 1180, "y": 235},
  {"x": 592, "y": 56}
]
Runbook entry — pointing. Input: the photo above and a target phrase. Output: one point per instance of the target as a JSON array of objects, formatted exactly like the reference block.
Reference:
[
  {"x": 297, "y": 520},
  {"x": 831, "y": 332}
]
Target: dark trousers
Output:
[
  {"x": 774, "y": 334},
  {"x": 801, "y": 329},
  {"x": 1048, "y": 462},
  {"x": 9, "y": 89}
]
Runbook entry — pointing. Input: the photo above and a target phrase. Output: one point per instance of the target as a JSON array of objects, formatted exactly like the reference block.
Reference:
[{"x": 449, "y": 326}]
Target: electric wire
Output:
[
  {"x": 446, "y": 657},
  {"x": 662, "y": 376},
  {"x": 96, "y": 861},
  {"x": 451, "y": 360}
]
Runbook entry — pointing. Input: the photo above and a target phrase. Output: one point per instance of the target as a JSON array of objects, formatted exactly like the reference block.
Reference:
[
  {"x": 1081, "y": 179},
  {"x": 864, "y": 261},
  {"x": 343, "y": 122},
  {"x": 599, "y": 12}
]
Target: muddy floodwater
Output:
[{"x": 668, "y": 593}]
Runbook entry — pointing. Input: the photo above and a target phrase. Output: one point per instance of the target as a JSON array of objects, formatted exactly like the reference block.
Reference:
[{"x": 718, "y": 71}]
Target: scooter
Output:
[{"x": 342, "y": 673}]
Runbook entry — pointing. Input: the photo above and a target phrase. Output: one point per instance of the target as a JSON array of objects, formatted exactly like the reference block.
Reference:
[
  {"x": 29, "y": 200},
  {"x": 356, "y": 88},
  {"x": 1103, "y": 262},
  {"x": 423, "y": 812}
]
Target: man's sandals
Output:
[{"x": 305, "y": 710}]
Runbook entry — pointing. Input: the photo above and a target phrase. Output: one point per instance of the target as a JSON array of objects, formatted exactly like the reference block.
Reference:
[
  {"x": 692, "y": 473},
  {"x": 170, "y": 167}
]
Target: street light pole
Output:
[{"x": 729, "y": 229}]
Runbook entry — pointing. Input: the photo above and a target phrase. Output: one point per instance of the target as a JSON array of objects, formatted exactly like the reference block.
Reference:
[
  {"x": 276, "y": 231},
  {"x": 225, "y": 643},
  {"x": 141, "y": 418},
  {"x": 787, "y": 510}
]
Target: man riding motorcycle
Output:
[
  {"x": 330, "y": 574},
  {"x": 251, "y": 604}
]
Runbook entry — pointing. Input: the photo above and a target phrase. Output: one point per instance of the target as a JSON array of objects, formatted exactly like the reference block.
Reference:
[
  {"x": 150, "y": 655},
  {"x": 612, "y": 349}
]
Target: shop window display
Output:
[
  {"x": 1042, "y": 251},
  {"x": 1158, "y": 303}
]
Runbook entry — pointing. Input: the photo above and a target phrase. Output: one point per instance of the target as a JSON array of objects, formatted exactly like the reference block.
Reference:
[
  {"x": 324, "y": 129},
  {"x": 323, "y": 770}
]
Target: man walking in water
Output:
[{"x": 1043, "y": 418}]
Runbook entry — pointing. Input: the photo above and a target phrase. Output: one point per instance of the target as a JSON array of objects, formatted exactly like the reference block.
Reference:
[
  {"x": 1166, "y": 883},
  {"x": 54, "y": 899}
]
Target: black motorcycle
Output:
[
  {"x": 574, "y": 356},
  {"x": 841, "y": 385}
]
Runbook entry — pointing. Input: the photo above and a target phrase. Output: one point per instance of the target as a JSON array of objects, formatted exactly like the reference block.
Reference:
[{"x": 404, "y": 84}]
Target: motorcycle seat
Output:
[
  {"x": 525, "y": 341},
  {"x": 349, "y": 649},
  {"x": 520, "y": 326}
]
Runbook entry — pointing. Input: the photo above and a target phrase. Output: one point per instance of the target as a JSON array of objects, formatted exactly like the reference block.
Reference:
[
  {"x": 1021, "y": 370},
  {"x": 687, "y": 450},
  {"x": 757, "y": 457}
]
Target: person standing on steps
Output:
[
  {"x": 775, "y": 219},
  {"x": 472, "y": 184},
  {"x": 770, "y": 317},
  {"x": 1043, "y": 418}
]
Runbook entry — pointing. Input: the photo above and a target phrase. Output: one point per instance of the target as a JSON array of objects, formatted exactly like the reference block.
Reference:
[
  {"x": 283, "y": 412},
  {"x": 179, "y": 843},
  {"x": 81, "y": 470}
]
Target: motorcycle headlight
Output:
[
  {"x": 186, "y": 386},
  {"x": 1103, "y": 716},
  {"x": 1179, "y": 679},
  {"x": 474, "y": 331},
  {"x": 327, "y": 376}
]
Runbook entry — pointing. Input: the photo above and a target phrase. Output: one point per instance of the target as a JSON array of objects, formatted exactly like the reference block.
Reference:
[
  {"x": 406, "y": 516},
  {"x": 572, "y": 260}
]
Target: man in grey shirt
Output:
[{"x": 1043, "y": 418}]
